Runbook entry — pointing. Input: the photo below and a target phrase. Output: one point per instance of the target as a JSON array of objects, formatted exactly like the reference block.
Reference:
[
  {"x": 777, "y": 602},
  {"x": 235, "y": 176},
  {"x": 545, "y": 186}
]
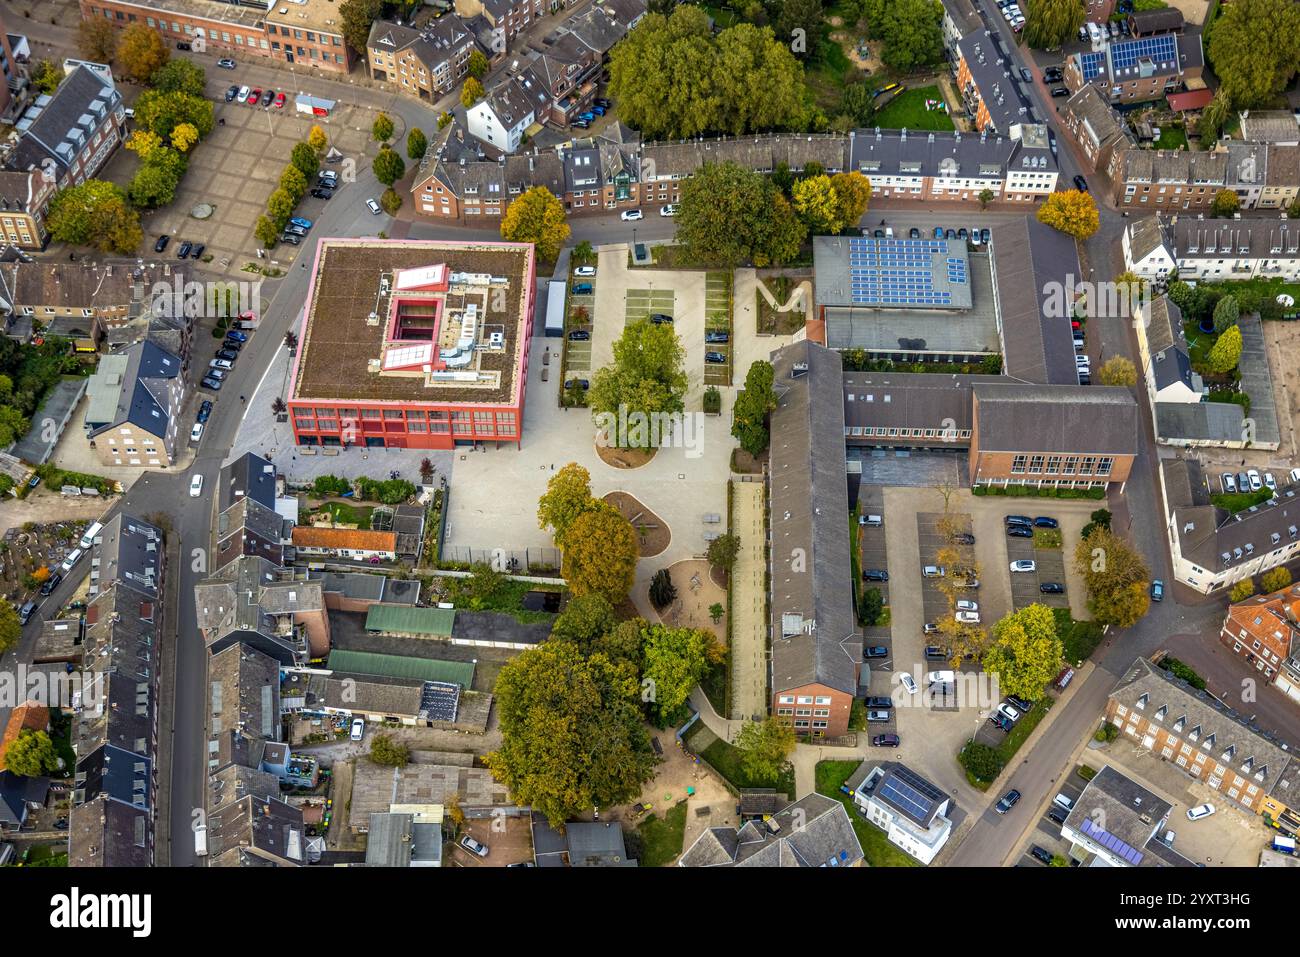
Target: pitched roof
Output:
[
  {"x": 1191, "y": 100},
  {"x": 28, "y": 716},
  {"x": 814, "y": 831},
  {"x": 1096, "y": 116},
  {"x": 1145, "y": 236},
  {"x": 1270, "y": 126},
  {"x": 402, "y": 666},
  {"x": 1165, "y": 18},
  {"x": 406, "y": 619},
  {"x": 355, "y": 539},
  {"x": 1102, "y": 420},
  {"x": 1283, "y": 166},
  {"x": 67, "y": 120}
]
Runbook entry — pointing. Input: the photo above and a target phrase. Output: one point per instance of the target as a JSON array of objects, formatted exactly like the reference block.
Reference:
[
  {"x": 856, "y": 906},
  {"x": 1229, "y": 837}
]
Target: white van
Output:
[
  {"x": 1063, "y": 802},
  {"x": 72, "y": 559},
  {"x": 871, "y": 521},
  {"x": 89, "y": 538}
]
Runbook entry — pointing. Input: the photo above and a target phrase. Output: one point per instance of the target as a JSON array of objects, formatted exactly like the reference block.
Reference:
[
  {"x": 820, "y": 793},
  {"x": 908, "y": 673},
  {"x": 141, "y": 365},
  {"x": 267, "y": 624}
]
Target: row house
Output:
[
  {"x": 115, "y": 788},
  {"x": 67, "y": 137},
  {"x": 1214, "y": 250},
  {"x": 1264, "y": 631},
  {"x": 24, "y": 199},
  {"x": 302, "y": 32},
  {"x": 1281, "y": 178},
  {"x": 1096, "y": 126},
  {"x": 454, "y": 184},
  {"x": 989, "y": 90},
  {"x": 1167, "y": 179},
  {"x": 1167, "y": 718},
  {"x": 16, "y": 86},
  {"x": 508, "y": 17},
  {"x": 1139, "y": 69},
  {"x": 427, "y": 62}
]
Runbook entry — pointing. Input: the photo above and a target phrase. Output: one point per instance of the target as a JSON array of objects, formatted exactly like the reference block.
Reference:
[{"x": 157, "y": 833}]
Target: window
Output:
[
  {"x": 1018, "y": 464},
  {"x": 1036, "y": 464}
]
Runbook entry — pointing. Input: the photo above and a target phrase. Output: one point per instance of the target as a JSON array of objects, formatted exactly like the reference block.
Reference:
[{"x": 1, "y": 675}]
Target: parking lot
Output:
[
  {"x": 872, "y": 555},
  {"x": 1049, "y": 567},
  {"x": 640, "y": 304},
  {"x": 931, "y": 536},
  {"x": 1047, "y": 833},
  {"x": 717, "y": 318}
]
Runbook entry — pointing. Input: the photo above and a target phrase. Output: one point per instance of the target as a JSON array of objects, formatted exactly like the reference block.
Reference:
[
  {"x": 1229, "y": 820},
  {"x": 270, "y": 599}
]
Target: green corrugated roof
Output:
[
  {"x": 408, "y": 620},
  {"x": 399, "y": 666}
]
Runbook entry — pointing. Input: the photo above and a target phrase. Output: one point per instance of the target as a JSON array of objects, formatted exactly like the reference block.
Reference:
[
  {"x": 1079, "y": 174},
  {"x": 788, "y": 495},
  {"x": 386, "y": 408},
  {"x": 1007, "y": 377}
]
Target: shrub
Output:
[
  {"x": 981, "y": 762},
  {"x": 1180, "y": 670},
  {"x": 712, "y": 401}
]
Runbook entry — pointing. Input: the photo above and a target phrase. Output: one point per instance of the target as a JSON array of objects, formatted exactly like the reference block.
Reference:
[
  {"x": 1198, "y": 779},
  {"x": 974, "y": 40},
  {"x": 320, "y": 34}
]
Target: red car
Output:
[
  {"x": 279, "y": 101},
  {"x": 254, "y": 96}
]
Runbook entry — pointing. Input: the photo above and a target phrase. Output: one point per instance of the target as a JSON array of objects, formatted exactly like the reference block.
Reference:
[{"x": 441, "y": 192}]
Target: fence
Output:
[{"x": 503, "y": 559}]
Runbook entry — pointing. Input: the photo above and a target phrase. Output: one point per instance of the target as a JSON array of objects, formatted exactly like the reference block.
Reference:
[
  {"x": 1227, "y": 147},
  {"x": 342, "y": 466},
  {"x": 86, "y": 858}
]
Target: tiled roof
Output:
[{"x": 357, "y": 539}]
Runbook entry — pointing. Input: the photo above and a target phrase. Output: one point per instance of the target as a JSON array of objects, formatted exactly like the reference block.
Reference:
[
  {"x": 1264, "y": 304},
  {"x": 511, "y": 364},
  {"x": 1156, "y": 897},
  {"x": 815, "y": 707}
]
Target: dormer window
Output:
[
  {"x": 1180, "y": 723},
  {"x": 1194, "y": 734},
  {"x": 1160, "y": 714},
  {"x": 1141, "y": 702}
]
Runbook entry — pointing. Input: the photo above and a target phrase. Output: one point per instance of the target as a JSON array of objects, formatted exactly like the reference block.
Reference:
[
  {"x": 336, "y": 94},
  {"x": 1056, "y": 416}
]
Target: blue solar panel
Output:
[
  {"x": 1162, "y": 49},
  {"x": 901, "y": 271},
  {"x": 1111, "y": 842},
  {"x": 1091, "y": 64}
]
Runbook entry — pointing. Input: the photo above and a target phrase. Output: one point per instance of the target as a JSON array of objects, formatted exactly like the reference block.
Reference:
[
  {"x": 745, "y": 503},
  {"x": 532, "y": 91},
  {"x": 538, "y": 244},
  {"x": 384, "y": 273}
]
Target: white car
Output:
[
  {"x": 243, "y": 94},
  {"x": 1270, "y": 481},
  {"x": 908, "y": 682},
  {"x": 372, "y": 206},
  {"x": 196, "y": 433},
  {"x": 585, "y": 271},
  {"x": 221, "y": 364},
  {"x": 473, "y": 846},
  {"x": 358, "y": 729},
  {"x": 669, "y": 210},
  {"x": 968, "y": 617},
  {"x": 965, "y": 605},
  {"x": 1024, "y": 565},
  {"x": 631, "y": 215},
  {"x": 1295, "y": 475},
  {"x": 196, "y": 486},
  {"x": 941, "y": 677},
  {"x": 1200, "y": 811},
  {"x": 1256, "y": 483},
  {"x": 1008, "y": 712}
]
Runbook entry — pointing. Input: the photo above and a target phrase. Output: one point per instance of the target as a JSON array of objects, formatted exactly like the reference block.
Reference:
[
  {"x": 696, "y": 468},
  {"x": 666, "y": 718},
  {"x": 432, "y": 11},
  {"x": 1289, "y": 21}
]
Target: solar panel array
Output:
[
  {"x": 1111, "y": 842},
  {"x": 439, "y": 701},
  {"x": 1092, "y": 64},
  {"x": 1162, "y": 49},
  {"x": 913, "y": 794},
  {"x": 901, "y": 272}
]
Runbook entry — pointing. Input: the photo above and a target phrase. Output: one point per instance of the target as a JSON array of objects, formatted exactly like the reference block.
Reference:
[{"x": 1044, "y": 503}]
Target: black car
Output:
[
  {"x": 267, "y": 97},
  {"x": 205, "y": 410},
  {"x": 232, "y": 93},
  {"x": 1057, "y": 813},
  {"x": 879, "y": 234},
  {"x": 161, "y": 244},
  {"x": 322, "y": 192},
  {"x": 1060, "y": 91},
  {"x": 228, "y": 354},
  {"x": 884, "y": 741},
  {"x": 291, "y": 239},
  {"x": 878, "y": 702},
  {"x": 875, "y": 651},
  {"x": 1038, "y": 854},
  {"x": 184, "y": 250},
  {"x": 950, "y": 234},
  {"x": 61, "y": 824},
  {"x": 961, "y": 233},
  {"x": 211, "y": 383},
  {"x": 601, "y": 101},
  {"x": 1019, "y": 531},
  {"x": 875, "y": 575},
  {"x": 198, "y": 251},
  {"x": 1024, "y": 520},
  {"x": 231, "y": 345},
  {"x": 51, "y": 583},
  {"x": 985, "y": 234},
  {"x": 913, "y": 233},
  {"x": 658, "y": 318},
  {"x": 1001, "y": 721},
  {"x": 1008, "y": 801},
  {"x": 1024, "y": 704},
  {"x": 1051, "y": 588},
  {"x": 716, "y": 358},
  {"x": 579, "y": 335},
  {"x": 579, "y": 383},
  {"x": 936, "y": 653},
  {"x": 182, "y": 45},
  {"x": 964, "y": 538},
  {"x": 717, "y": 338},
  {"x": 1080, "y": 183},
  {"x": 1042, "y": 521}
]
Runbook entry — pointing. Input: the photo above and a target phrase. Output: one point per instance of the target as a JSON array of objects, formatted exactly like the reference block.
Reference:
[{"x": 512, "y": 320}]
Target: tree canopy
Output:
[
  {"x": 141, "y": 51},
  {"x": 1254, "y": 47},
  {"x": 753, "y": 404},
  {"x": 1072, "y": 212},
  {"x": 676, "y": 659},
  {"x": 1049, "y": 23},
  {"x": 647, "y": 377},
  {"x": 600, "y": 553},
  {"x": 1026, "y": 651},
  {"x": 96, "y": 213},
  {"x": 1116, "y": 577},
  {"x": 567, "y": 495},
  {"x": 729, "y": 216},
  {"x": 537, "y": 217},
  {"x": 764, "y": 747},
  {"x": 31, "y": 755}
]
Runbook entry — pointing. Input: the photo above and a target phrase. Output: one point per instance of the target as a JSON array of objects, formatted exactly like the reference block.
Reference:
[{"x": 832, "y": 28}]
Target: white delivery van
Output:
[{"x": 88, "y": 539}]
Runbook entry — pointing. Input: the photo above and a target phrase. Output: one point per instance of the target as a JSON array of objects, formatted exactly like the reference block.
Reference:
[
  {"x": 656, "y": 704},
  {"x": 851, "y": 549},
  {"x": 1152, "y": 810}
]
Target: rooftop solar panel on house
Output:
[
  {"x": 1161, "y": 49},
  {"x": 1111, "y": 842},
  {"x": 439, "y": 701},
  {"x": 910, "y": 792}
]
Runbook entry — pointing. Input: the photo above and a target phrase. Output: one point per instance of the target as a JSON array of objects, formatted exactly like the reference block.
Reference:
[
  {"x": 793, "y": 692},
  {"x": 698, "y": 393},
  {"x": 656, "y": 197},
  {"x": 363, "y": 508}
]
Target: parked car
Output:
[
  {"x": 659, "y": 318},
  {"x": 930, "y": 628},
  {"x": 585, "y": 271},
  {"x": 267, "y": 97},
  {"x": 300, "y": 221},
  {"x": 938, "y": 232},
  {"x": 1024, "y": 704},
  {"x": 236, "y": 335},
  {"x": 602, "y": 101},
  {"x": 1008, "y": 801},
  {"x": 1062, "y": 91},
  {"x": 878, "y": 701},
  {"x": 373, "y": 207},
  {"x": 967, "y": 617},
  {"x": 1008, "y": 712},
  {"x": 1270, "y": 483},
  {"x": 941, "y": 677},
  {"x": 581, "y": 124},
  {"x": 231, "y": 93},
  {"x": 253, "y": 96},
  {"x": 358, "y": 729},
  {"x": 1200, "y": 811},
  {"x": 985, "y": 234},
  {"x": 1039, "y": 854},
  {"x": 669, "y": 210},
  {"x": 913, "y": 233},
  {"x": 218, "y": 374},
  {"x": 1024, "y": 565},
  {"x": 1057, "y": 814},
  {"x": 936, "y": 653},
  {"x": 875, "y": 575},
  {"x": 1157, "y": 590},
  {"x": 161, "y": 243},
  {"x": 196, "y": 432},
  {"x": 1019, "y": 520},
  {"x": 908, "y": 682},
  {"x": 964, "y": 538},
  {"x": 224, "y": 365},
  {"x": 715, "y": 358},
  {"x": 184, "y": 250},
  {"x": 631, "y": 215},
  {"x": 243, "y": 94},
  {"x": 598, "y": 109},
  {"x": 198, "y": 251},
  {"x": 875, "y": 651},
  {"x": 885, "y": 741},
  {"x": 1080, "y": 183},
  {"x": 51, "y": 583},
  {"x": 1019, "y": 531},
  {"x": 227, "y": 354},
  {"x": 1042, "y": 521},
  {"x": 579, "y": 335},
  {"x": 321, "y": 192},
  {"x": 1026, "y": 75},
  {"x": 327, "y": 177},
  {"x": 295, "y": 229},
  {"x": 1051, "y": 588},
  {"x": 196, "y": 486},
  {"x": 1243, "y": 482},
  {"x": 577, "y": 383},
  {"x": 205, "y": 410},
  {"x": 1256, "y": 483},
  {"x": 226, "y": 63},
  {"x": 291, "y": 238},
  {"x": 877, "y": 715},
  {"x": 279, "y": 101},
  {"x": 211, "y": 383},
  {"x": 26, "y": 610},
  {"x": 717, "y": 338}
]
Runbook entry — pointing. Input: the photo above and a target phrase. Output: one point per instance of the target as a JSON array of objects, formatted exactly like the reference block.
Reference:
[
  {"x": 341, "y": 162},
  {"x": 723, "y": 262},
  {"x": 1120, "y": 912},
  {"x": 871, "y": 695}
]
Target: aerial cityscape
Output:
[{"x": 632, "y": 433}]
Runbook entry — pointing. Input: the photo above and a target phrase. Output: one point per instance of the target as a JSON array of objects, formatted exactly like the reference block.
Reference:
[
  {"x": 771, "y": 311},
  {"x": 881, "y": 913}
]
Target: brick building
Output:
[
  {"x": 426, "y": 62},
  {"x": 1264, "y": 630},
  {"x": 413, "y": 344}
]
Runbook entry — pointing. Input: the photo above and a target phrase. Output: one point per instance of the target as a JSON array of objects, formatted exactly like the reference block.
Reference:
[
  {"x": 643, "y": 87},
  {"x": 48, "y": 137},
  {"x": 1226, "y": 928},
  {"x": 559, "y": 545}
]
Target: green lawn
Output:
[
  {"x": 358, "y": 515},
  {"x": 1047, "y": 538},
  {"x": 1240, "y": 501},
  {"x": 1019, "y": 732},
  {"x": 908, "y": 110},
  {"x": 661, "y": 837},
  {"x": 1171, "y": 138},
  {"x": 876, "y": 846},
  {"x": 725, "y": 759},
  {"x": 1079, "y": 638}
]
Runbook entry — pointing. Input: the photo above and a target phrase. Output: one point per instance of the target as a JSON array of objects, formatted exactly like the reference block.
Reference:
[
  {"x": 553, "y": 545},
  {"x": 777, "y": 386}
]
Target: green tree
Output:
[
  {"x": 600, "y": 553},
  {"x": 1226, "y": 202},
  {"x": 729, "y": 216},
  {"x": 859, "y": 103},
  {"x": 646, "y": 377},
  {"x": 1116, "y": 578},
  {"x": 482, "y": 585},
  {"x": 1242, "y": 590},
  {"x": 95, "y": 212},
  {"x": 161, "y": 111},
  {"x": 389, "y": 752},
  {"x": 97, "y": 39},
  {"x": 1226, "y": 313},
  {"x": 572, "y": 736},
  {"x": 356, "y": 17},
  {"x": 873, "y": 606},
  {"x": 1255, "y": 50},
  {"x": 1226, "y": 352},
  {"x": 417, "y": 143},
  {"x": 537, "y": 217},
  {"x": 293, "y": 182},
  {"x": 317, "y": 139},
  {"x": 583, "y": 254},
  {"x": 478, "y": 64},
  {"x": 1072, "y": 212},
  {"x": 676, "y": 659},
  {"x": 305, "y": 158},
  {"x": 1026, "y": 651},
  {"x": 382, "y": 129},
  {"x": 584, "y": 619},
  {"x": 266, "y": 232},
  {"x": 1049, "y": 23},
  {"x": 390, "y": 201},
  {"x": 752, "y": 407},
  {"x": 799, "y": 23},
  {"x": 567, "y": 495},
  {"x": 982, "y": 761},
  {"x": 985, "y": 197},
  {"x": 31, "y": 755},
  {"x": 1275, "y": 579},
  {"x": 912, "y": 34},
  {"x": 180, "y": 76},
  {"x": 279, "y": 207},
  {"x": 46, "y": 76},
  {"x": 852, "y": 194},
  {"x": 389, "y": 167},
  {"x": 153, "y": 185},
  {"x": 816, "y": 204},
  {"x": 141, "y": 51},
  {"x": 1118, "y": 370},
  {"x": 764, "y": 747},
  {"x": 723, "y": 551},
  {"x": 1212, "y": 119},
  {"x": 662, "y": 590},
  {"x": 471, "y": 92},
  {"x": 716, "y": 611}
]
